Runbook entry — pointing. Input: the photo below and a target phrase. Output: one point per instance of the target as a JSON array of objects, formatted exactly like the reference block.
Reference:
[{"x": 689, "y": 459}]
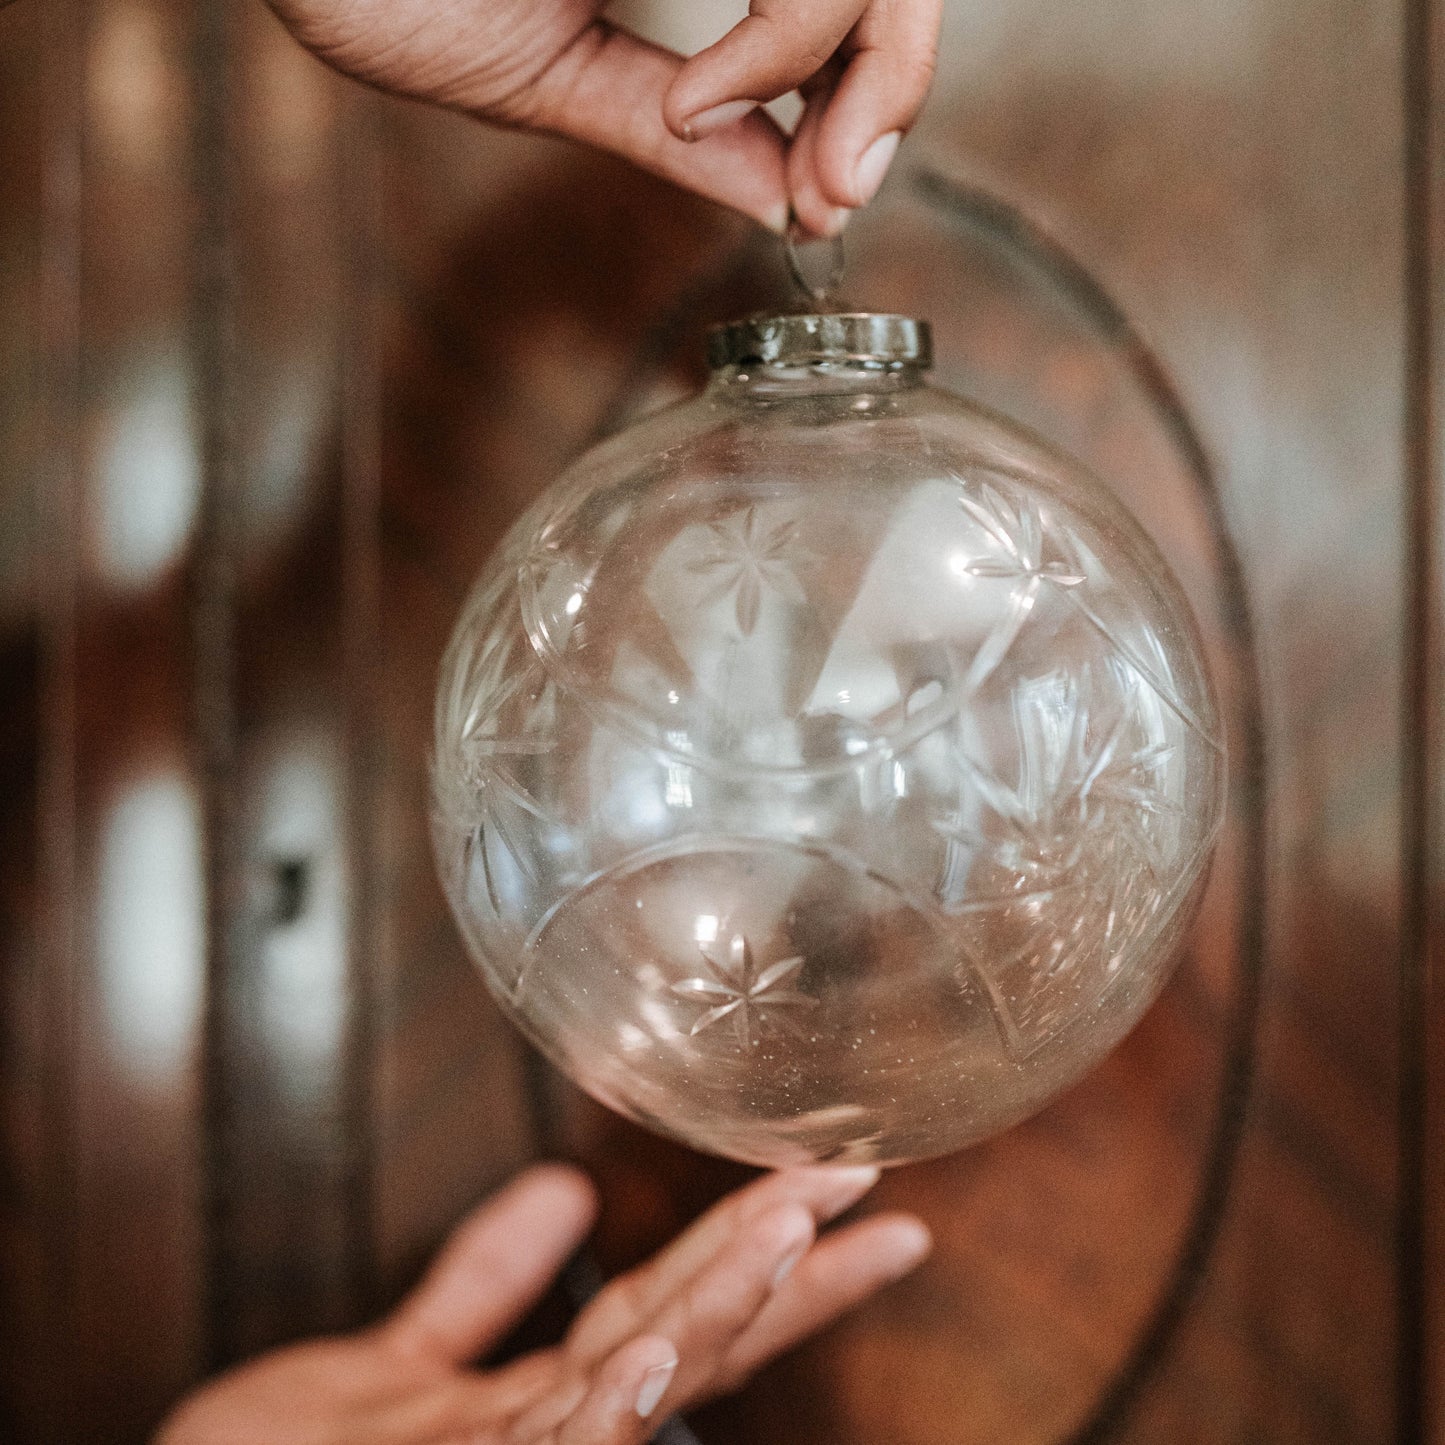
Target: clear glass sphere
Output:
[{"x": 825, "y": 768}]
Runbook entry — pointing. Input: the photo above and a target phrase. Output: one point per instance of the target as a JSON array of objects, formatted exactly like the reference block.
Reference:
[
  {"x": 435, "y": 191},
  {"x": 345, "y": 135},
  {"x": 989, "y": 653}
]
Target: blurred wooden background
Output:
[{"x": 279, "y": 361}]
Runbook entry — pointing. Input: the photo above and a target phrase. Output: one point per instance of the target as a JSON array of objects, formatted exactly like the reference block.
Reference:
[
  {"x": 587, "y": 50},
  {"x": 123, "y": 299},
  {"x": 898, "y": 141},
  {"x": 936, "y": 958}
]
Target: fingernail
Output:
[
  {"x": 715, "y": 118},
  {"x": 873, "y": 166},
  {"x": 777, "y": 219},
  {"x": 789, "y": 1262},
  {"x": 808, "y": 202},
  {"x": 856, "y": 1176},
  {"x": 913, "y": 1244},
  {"x": 654, "y": 1387},
  {"x": 850, "y": 1183}
]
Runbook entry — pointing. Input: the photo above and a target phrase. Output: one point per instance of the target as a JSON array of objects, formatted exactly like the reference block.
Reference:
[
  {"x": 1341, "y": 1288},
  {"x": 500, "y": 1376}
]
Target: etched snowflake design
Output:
[
  {"x": 1020, "y": 553},
  {"x": 1014, "y": 982},
  {"x": 1057, "y": 875},
  {"x": 497, "y": 802},
  {"x": 1017, "y": 532},
  {"x": 1127, "y": 904},
  {"x": 1105, "y": 911},
  {"x": 542, "y": 556},
  {"x": 1067, "y": 790},
  {"x": 733, "y": 987},
  {"x": 745, "y": 560}
]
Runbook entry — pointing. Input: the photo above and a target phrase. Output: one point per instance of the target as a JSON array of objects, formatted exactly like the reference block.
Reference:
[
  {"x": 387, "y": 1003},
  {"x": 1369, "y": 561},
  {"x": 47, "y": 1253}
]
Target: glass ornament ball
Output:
[{"x": 825, "y": 768}]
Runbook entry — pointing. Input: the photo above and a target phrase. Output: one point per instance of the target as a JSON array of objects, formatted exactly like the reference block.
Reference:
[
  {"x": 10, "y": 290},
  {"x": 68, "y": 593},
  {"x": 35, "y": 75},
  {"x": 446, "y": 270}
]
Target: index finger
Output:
[
  {"x": 780, "y": 45},
  {"x": 495, "y": 1266},
  {"x": 824, "y": 1190}
]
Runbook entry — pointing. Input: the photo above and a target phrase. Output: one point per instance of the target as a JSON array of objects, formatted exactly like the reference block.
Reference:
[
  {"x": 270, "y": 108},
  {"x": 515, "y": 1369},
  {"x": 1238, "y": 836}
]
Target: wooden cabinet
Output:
[{"x": 280, "y": 359}]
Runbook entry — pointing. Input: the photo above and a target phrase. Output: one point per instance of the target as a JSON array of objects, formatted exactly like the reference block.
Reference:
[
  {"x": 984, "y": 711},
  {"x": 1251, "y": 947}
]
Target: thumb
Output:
[{"x": 495, "y": 1266}]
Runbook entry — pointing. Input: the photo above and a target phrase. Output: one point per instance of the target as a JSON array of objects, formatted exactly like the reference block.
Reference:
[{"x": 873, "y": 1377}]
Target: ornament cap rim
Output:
[{"x": 881, "y": 339}]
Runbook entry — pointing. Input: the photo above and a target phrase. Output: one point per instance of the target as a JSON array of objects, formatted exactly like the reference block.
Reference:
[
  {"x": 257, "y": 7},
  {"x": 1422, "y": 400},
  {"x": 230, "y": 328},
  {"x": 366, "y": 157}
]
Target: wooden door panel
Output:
[{"x": 287, "y": 357}]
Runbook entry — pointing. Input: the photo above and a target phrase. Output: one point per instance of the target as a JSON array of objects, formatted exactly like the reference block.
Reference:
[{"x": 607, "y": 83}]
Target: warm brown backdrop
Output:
[{"x": 279, "y": 360}]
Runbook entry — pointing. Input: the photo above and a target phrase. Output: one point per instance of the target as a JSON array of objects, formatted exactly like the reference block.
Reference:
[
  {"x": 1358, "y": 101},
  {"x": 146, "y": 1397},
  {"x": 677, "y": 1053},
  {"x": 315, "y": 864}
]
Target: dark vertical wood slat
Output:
[
  {"x": 1420, "y": 1240},
  {"x": 1434, "y": 1001},
  {"x": 360, "y": 414},
  {"x": 30, "y": 1281},
  {"x": 214, "y": 624},
  {"x": 58, "y": 492},
  {"x": 1419, "y": 711},
  {"x": 294, "y": 1010}
]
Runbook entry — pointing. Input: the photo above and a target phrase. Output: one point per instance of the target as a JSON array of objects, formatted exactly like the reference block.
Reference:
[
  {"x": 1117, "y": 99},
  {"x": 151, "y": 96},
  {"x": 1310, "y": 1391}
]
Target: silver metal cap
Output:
[{"x": 861, "y": 337}]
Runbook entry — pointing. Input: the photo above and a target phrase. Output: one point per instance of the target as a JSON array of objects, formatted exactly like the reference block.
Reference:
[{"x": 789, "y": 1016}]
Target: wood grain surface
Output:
[{"x": 279, "y": 362}]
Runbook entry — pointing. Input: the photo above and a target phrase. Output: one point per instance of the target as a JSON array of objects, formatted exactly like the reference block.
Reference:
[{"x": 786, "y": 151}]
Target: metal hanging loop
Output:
[{"x": 819, "y": 285}]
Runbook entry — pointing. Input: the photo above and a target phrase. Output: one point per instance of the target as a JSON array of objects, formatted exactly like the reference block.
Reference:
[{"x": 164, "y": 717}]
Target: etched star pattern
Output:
[
  {"x": 1018, "y": 554},
  {"x": 1071, "y": 853},
  {"x": 488, "y": 751},
  {"x": 1067, "y": 791},
  {"x": 745, "y": 561},
  {"x": 1112, "y": 911},
  {"x": 1125, "y": 909},
  {"x": 733, "y": 988},
  {"x": 1146, "y": 673},
  {"x": 553, "y": 575},
  {"x": 1127, "y": 793},
  {"x": 1081, "y": 931},
  {"x": 1022, "y": 1013},
  {"x": 541, "y": 557}
]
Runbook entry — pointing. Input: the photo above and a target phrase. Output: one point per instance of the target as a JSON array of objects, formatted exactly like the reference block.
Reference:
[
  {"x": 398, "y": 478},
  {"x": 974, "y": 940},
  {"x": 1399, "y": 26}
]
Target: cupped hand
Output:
[
  {"x": 863, "y": 66},
  {"x": 745, "y": 1282}
]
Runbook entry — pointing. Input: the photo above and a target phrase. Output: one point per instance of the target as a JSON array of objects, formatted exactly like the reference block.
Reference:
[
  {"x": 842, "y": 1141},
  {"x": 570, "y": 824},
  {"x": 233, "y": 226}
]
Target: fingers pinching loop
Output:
[{"x": 818, "y": 277}]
